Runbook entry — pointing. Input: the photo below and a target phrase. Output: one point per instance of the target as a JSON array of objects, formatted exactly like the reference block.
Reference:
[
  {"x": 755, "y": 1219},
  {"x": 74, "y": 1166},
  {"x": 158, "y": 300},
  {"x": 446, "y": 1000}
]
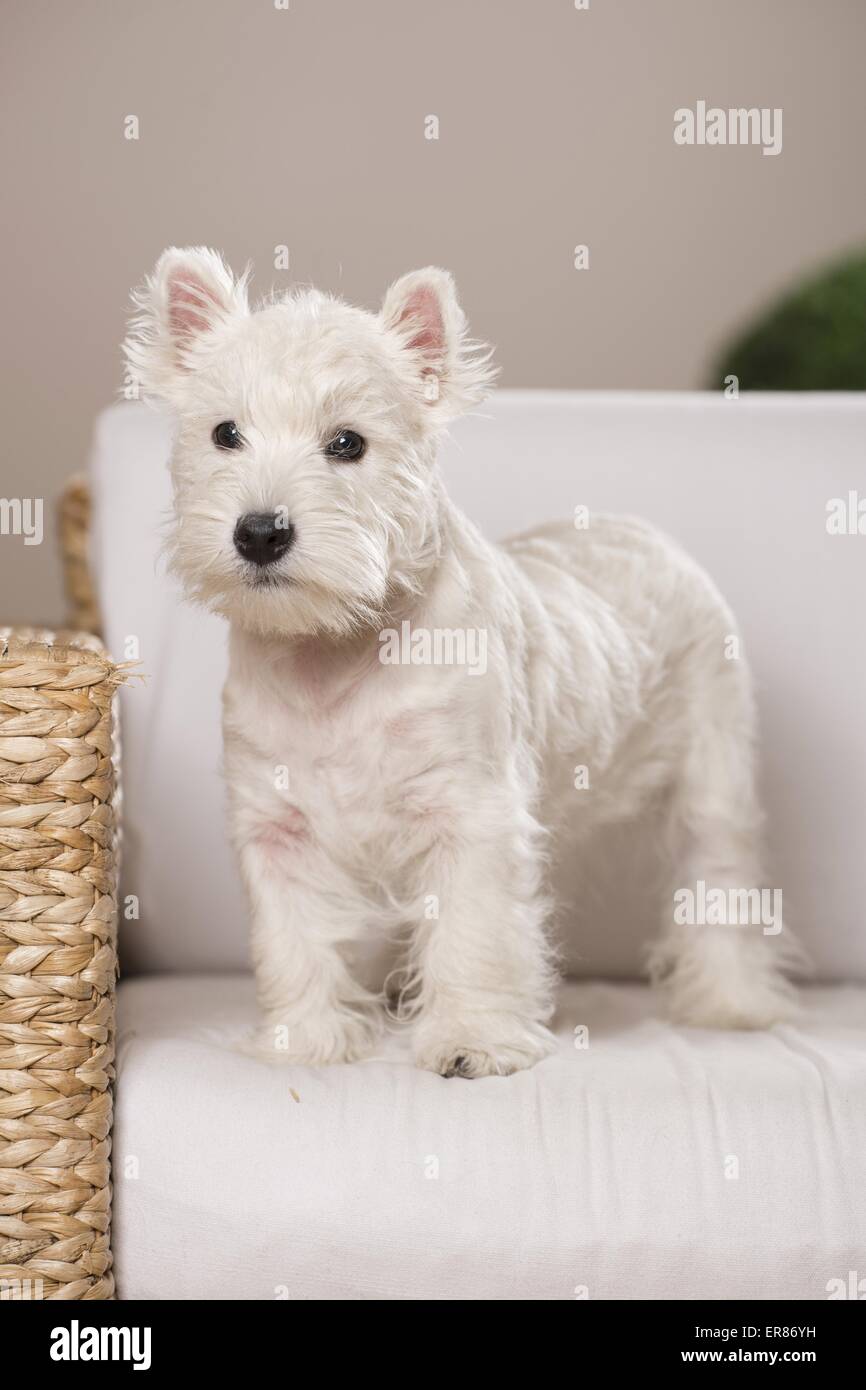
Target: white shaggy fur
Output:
[{"x": 423, "y": 802}]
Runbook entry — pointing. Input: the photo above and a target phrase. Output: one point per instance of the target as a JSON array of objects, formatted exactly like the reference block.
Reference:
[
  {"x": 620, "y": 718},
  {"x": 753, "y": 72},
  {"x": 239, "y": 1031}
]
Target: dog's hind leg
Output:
[{"x": 723, "y": 949}]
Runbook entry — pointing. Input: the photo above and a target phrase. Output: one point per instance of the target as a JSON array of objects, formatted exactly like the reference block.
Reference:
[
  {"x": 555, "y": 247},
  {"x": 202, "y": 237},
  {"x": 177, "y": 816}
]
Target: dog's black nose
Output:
[{"x": 263, "y": 537}]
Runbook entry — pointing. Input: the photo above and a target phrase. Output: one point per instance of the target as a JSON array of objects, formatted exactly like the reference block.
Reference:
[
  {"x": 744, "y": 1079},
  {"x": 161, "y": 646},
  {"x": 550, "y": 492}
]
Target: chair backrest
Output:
[{"x": 743, "y": 484}]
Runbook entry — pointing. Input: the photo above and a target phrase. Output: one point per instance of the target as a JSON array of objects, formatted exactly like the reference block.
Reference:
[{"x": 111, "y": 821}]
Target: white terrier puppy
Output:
[{"x": 372, "y": 797}]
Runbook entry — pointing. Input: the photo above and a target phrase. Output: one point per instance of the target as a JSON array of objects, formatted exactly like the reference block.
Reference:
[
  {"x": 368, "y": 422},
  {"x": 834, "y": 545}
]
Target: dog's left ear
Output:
[{"x": 451, "y": 372}]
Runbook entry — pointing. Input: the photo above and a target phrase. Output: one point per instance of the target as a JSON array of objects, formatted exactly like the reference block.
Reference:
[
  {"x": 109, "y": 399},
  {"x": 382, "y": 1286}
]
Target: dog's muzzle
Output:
[{"x": 263, "y": 537}]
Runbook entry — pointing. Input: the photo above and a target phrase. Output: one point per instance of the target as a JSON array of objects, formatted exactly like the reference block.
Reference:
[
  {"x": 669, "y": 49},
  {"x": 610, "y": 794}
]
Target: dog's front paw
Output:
[
  {"x": 322, "y": 1041},
  {"x": 496, "y": 1046}
]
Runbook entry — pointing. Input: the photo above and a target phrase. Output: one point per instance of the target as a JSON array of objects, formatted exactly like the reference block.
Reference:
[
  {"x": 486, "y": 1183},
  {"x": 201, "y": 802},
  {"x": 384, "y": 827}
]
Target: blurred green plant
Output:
[{"x": 813, "y": 339}]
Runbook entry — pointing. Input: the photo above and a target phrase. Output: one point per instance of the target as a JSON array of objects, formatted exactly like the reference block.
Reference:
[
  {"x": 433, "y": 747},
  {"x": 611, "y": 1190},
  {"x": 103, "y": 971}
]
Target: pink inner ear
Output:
[
  {"x": 422, "y": 307},
  {"x": 189, "y": 305}
]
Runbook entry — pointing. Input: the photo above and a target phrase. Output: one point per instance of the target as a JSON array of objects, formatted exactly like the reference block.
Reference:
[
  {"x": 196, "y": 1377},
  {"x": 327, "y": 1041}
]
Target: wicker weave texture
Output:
[
  {"x": 82, "y": 606},
  {"x": 58, "y": 964}
]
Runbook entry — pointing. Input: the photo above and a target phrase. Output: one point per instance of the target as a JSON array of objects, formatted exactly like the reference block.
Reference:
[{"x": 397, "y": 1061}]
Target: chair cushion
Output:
[
  {"x": 653, "y": 1162},
  {"x": 743, "y": 484}
]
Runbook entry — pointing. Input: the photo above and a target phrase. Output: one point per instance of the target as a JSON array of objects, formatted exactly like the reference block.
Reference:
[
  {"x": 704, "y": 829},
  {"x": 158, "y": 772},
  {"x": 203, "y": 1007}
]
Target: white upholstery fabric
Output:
[
  {"x": 742, "y": 483},
  {"x": 609, "y": 1167}
]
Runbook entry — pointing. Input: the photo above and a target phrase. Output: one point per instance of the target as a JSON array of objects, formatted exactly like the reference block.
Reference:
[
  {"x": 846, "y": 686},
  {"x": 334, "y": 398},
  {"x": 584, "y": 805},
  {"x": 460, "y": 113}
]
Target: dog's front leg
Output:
[
  {"x": 304, "y": 914},
  {"x": 483, "y": 973}
]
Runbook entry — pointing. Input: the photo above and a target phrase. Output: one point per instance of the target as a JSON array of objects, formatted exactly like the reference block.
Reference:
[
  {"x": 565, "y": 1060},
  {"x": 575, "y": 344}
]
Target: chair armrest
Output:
[{"x": 58, "y": 963}]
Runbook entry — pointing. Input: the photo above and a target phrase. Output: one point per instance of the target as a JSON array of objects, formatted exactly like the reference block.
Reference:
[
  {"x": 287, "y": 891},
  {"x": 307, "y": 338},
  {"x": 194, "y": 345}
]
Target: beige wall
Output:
[{"x": 260, "y": 127}]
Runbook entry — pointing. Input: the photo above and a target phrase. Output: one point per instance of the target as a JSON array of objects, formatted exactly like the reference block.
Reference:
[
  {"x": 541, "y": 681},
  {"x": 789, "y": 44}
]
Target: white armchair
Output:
[{"x": 641, "y": 1160}]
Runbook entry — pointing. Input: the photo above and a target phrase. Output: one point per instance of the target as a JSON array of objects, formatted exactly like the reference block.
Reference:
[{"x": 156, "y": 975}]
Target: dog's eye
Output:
[
  {"x": 227, "y": 436},
  {"x": 346, "y": 445}
]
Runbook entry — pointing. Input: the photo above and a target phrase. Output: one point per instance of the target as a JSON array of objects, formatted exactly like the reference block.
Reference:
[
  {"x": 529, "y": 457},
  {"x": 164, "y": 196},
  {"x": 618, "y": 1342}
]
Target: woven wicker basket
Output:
[{"x": 58, "y": 964}]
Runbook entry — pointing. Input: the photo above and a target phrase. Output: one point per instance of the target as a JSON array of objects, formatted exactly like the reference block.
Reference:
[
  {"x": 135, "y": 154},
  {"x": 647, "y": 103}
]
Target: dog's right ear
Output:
[{"x": 180, "y": 312}]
